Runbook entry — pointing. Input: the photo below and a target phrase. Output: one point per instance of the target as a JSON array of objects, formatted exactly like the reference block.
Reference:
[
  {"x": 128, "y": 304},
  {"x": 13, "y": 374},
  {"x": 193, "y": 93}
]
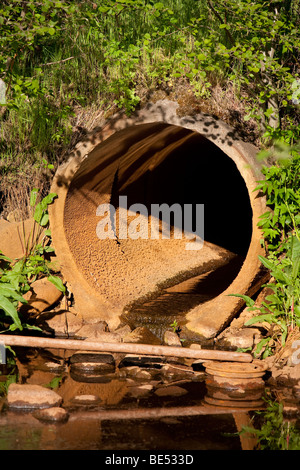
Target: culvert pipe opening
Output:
[{"x": 124, "y": 243}]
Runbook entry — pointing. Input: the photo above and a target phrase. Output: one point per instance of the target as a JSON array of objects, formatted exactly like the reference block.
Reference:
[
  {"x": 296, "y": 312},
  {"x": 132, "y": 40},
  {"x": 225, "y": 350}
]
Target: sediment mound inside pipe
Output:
[{"x": 115, "y": 268}]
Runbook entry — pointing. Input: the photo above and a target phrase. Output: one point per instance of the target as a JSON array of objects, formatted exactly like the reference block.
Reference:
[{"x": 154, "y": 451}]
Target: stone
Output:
[
  {"x": 14, "y": 237},
  {"x": 171, "y": 391},
  {"x": 94, "y": 330},
  {"x": 173, "y": 372},
  {"x": 42, "y": 295},
  {"x": 98, "y": 360},
  {"x": 122, "y": 331},
  {"x": 24, "y": 396},
  {"x": 141, "y": 335},
  {"x": 52, "y": 415},
  {"x": 92, "y": 363},
  {"x": 172, "y": 339},
  {"x": 140, "y": 390},
  {"x": 61, "y": 323},
  {"x": 195, "y": 346},
  {"x": 86, "y": 399},
  {"x": 142, "y": 361},
  {"x": 104, "y": 337},
  {"x": 244, "y": 338},
  {"x": 143, "y": 374}
]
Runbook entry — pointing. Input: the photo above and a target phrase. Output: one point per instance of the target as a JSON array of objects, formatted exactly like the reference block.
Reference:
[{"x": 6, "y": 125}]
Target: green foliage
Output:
[
  {"x": 58, "y": 55},
  {"x": 17, "y": 276},
  {"x": 280, "y": 227},
  {"x": 273, "y": 432}
]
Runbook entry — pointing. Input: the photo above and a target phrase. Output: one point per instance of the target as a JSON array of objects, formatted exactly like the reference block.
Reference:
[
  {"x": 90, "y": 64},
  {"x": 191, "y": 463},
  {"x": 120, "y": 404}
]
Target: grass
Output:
[{"x": 99, "y": 58}]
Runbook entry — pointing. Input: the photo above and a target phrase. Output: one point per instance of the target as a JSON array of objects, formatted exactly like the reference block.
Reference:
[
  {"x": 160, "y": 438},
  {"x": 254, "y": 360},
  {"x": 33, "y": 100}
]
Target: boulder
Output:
[
  {"x": 93, "y": 330},
  {"x": 52, "y": 415},
  {"x": 24, "y": 396},
  {"x": 14, "y": 236},
  {"x": 41, "y": 296},
  {"x": 172, "y": 339},
  {"x": 244, "y": 338},
  {"x": 96, "y": 360},
  {"x": 61, "y": 322},
  {"x": 141, "y": 335}
]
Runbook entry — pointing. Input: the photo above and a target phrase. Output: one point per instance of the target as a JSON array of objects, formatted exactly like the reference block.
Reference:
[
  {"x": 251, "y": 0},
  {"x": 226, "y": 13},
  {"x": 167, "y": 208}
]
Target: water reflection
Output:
[{"x": 123, "y": 409}]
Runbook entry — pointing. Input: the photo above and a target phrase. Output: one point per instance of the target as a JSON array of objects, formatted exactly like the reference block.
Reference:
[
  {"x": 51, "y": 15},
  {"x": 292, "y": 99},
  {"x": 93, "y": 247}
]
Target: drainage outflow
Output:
[{"x": 150, "y": 159}]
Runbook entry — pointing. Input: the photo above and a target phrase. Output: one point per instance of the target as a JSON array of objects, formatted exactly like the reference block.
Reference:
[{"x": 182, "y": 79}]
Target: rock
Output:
[
  {"x": 86, "y": 400},
  {"x": 171, "y": 391},
  {"x": 42, "y": 295},
  {"x": 92, "y": 367},
  {"x": 94, "y": 330},
  {"x": 171, "y": 372},
  {"x": 286, "y": 376},
  {"x": 143, "y": 375},
  {"x": 140, "y": 391},
  {"x": 142, "y": 361},
  {"x": 93, "y": 360},
  {"x": 61, "y": 323},
  {"x": 23, "y": 396},
  {"x": 172, "y": 339},
  {"x": 52, "y": 415},
  {"x": 141, "y": 335},
  {"x": 122, "y": 331},
  {"x": 244, "y": 338},
  {"x": 14, "y": 237},
  {"x": 195, "y": 346},
  {"x": 290, "y": 411}
]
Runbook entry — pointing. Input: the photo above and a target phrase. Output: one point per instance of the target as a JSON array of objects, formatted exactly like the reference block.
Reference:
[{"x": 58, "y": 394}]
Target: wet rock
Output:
[
  {"x": 92, "y": 367},
  {"x": 122, "y": 331},
  {"x": 172, "y": 339},
  {"x": 142, "y": 361},
  {"x": 173, "y": 372},
  {"x": 285, "y": 376},
  {"x": 291, "y": 411},
  {"x": 23, "y": 396},
  {"x": 195, "y": 346},
  {"x": 244, "y": 338},
  {"x": 52, "y": 415},
  {"x": 94, "y": 330},
  {"x": 140, "y": 390},
  {"x": 42, "y": 295},
  {"x": 57, "y": 367},
  {"x": 100, "y": 336},
  {"x": 86, "y": 400},
  {"x": 61, "y": 323},
  {"x": 141, "y": 335},
  {"x": 136, "y": 372},
  {"x": 93, "y": 361},
  {"x": 170, "y": 391}
]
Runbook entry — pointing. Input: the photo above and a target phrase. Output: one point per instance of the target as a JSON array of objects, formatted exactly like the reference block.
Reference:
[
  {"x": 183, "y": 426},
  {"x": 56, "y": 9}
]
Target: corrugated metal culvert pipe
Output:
[{"x": 117, "y": 189}]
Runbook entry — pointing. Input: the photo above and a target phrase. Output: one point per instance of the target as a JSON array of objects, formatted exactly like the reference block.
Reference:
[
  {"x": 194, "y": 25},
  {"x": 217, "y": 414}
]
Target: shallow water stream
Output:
[{"x": 149, "y": 406}]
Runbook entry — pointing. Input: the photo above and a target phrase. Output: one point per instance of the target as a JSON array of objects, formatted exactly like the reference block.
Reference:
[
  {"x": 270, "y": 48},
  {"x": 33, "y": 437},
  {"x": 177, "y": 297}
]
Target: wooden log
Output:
[{"x": 143, "y": 349}]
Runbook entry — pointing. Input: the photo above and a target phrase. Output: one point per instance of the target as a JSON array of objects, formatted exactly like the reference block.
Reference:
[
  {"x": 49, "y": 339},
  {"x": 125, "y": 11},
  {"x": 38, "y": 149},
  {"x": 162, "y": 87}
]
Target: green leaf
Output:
[
  {"x": 267, "y": 317},
  {"x": 249, "y": 302},
  {"x": 10, "y": 310},
  {"x": 261, "y": 344},
  {"x": 38, "y": 213},
  {"x": 57, "y": 282},
  {"x": 7, "y": 290},
  {"x": 33, "y": 196},
  {"x": 44, "y": 220}
]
